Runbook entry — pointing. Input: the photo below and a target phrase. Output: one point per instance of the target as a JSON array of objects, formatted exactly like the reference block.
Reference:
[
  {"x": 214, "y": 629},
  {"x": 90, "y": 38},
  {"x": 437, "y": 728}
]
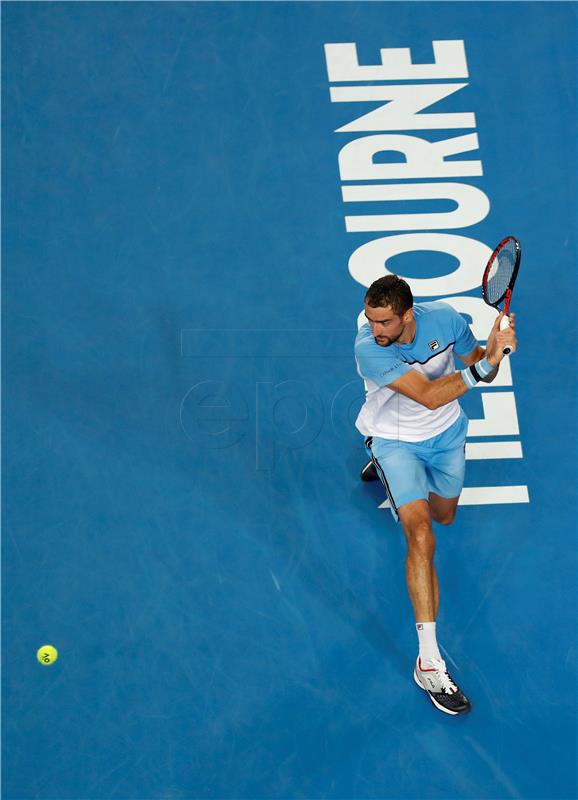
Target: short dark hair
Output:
[{"x": 391, "y": 290}]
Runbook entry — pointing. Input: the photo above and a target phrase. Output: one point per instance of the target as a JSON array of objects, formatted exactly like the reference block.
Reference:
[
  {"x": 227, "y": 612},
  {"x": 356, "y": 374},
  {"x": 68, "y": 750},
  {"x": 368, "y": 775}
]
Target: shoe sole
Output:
[{"x": 434, "y": 701}]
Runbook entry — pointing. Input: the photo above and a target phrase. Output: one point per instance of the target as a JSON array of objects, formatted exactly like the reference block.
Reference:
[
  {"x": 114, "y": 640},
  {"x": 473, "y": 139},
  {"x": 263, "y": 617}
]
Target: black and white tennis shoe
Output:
[
  {"x": 369, "y": 473},
  {"x": 433, "y": 678}
]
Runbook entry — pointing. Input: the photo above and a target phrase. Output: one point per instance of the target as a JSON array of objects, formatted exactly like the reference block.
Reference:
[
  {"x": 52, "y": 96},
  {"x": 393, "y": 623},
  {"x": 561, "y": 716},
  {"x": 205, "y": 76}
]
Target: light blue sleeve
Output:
[
  {"x": 376, "y": 364},
  {"x": 464, "y": 338}
]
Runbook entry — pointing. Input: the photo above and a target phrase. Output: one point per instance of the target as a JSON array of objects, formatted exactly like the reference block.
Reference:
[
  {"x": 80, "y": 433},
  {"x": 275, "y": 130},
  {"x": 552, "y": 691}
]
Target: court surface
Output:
[{"x": 183, "y": 517}]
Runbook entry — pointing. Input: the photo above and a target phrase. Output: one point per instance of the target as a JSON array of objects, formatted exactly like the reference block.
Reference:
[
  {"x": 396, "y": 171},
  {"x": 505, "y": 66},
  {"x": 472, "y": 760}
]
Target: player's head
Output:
[{"x": 389, "y": 308}]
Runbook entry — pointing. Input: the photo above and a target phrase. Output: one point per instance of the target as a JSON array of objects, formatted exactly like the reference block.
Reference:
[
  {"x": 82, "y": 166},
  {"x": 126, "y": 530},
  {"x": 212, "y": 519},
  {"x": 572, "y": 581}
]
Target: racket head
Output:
[{"x": 501, "y": 271}]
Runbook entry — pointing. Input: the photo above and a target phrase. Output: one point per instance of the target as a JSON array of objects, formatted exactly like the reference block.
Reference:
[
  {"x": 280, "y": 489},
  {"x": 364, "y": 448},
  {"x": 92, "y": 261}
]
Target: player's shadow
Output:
[{"x": 327, "y": 578}]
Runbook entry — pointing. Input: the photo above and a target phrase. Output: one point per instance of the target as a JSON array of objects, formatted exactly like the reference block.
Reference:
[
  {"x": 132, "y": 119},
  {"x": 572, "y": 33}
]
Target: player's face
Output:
[{"x": 386, "y": 326}]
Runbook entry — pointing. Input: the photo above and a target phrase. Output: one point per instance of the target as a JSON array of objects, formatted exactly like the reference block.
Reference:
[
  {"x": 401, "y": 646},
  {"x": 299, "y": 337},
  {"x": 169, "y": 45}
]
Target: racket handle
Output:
[{"x": 504, "y": 324}]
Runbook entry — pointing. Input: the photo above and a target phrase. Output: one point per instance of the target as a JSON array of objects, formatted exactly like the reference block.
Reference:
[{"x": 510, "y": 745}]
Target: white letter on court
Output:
[
  {"x": 472, "y": 206},
  {"x": 500, "y": 416},
  {"x": 369, "y": 262},
  {"x": 423, "y": 159},
  {"x": 402, "y": 112},
  {"x": 396, "y": 63}
]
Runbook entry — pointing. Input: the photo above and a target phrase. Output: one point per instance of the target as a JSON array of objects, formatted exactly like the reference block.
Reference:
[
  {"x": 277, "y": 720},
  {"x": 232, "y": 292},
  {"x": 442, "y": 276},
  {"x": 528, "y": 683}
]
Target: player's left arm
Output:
[
  {"x": 479, "y": 352},
  {"x": 472, "y": 358},
  {"x": 476, "y": 355}
]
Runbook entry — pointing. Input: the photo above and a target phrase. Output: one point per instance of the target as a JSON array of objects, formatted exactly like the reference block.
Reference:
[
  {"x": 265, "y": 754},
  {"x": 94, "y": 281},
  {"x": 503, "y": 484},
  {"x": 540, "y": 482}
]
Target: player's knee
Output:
[
  {"x": 445, "y": 517},
  {"x": 420, "y": 536}
]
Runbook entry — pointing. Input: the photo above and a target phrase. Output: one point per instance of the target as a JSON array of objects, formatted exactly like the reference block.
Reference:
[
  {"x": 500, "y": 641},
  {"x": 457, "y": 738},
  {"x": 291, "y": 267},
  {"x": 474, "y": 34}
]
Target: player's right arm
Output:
[
  {"x": 431, "y": 394},
  {"x": 436, "y": 393},
  {"x": 384, "y": 368}
]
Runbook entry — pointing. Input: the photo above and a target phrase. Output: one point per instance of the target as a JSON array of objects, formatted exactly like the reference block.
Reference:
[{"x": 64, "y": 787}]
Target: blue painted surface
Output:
[{"x": 230, "y": 608}]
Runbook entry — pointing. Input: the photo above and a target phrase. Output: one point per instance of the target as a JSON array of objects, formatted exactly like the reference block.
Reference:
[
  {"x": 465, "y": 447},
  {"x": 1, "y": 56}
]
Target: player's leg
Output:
[
  {"x": 443, "y": 509},
  {"x": 446, "y": 465},
  {"x": 430, "y": 671},
  {"x": 444, "y": 461},
  {"x": 404, "y": 475},
  {"x": 419, "y": 567}
]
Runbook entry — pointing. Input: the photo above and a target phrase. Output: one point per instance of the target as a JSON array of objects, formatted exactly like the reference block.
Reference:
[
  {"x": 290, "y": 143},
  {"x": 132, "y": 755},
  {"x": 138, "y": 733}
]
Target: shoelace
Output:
[{"x": 447, "y": 684}]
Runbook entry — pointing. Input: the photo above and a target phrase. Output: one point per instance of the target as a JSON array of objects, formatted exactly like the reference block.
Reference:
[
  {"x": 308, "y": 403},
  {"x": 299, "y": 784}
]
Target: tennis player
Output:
[{"x": 415, "y": 433}]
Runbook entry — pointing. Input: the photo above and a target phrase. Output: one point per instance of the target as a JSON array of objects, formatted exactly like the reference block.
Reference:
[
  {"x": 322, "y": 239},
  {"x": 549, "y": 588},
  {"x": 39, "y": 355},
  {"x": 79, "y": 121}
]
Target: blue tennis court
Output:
[{"x": 195, "y": 197}]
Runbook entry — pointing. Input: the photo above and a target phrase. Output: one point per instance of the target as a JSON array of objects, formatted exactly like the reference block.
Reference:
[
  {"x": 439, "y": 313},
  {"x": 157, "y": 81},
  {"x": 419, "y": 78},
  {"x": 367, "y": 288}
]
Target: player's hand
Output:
[{"x": 498, "y": 339}]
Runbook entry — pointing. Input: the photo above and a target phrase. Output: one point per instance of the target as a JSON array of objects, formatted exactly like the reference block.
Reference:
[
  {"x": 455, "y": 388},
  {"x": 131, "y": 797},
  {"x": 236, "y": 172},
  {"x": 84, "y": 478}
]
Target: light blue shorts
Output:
[{"x": 411, "y": 470}]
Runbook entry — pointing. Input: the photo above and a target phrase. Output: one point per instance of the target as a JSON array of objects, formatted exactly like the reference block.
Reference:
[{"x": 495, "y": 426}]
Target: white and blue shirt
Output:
[{"x": 440, "y": 331}]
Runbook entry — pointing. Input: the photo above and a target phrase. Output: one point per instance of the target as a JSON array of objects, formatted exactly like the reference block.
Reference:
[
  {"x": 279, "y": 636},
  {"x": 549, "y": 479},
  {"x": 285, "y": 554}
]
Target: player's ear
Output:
[{"x": 408, "y": 316}]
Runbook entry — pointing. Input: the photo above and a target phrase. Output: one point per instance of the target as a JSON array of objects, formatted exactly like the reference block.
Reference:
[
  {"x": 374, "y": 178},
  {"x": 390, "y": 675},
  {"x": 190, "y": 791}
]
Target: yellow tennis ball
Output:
[{"x": 47, "y": 654}]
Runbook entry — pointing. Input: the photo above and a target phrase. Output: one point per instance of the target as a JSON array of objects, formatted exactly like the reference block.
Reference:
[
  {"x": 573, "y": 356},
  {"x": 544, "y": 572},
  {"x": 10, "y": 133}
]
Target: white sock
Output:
[{"x": 428, "y": 646}]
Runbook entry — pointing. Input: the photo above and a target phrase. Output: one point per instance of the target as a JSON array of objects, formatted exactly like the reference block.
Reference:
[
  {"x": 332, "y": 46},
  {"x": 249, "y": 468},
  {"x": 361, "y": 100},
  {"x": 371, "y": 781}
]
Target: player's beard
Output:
[{"x": 390, "y": 339}]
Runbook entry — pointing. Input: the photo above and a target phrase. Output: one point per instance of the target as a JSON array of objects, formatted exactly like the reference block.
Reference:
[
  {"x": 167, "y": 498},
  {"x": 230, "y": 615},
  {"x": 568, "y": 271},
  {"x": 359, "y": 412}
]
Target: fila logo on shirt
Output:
[{"x": 433, "y": 345}]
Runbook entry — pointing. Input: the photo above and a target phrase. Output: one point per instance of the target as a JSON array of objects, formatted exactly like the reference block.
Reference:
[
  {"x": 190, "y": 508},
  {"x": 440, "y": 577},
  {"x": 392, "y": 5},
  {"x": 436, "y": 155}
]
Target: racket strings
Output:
[{"x": 500, "y": 273}]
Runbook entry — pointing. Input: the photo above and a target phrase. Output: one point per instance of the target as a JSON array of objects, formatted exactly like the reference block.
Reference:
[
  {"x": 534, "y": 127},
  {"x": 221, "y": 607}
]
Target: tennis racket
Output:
[{"x": 500, "y": 276}]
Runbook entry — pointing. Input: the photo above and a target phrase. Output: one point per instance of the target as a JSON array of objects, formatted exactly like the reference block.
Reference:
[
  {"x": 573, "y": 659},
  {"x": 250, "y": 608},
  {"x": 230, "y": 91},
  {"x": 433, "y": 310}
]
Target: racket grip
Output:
[{"x": 504, "y": 324}]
